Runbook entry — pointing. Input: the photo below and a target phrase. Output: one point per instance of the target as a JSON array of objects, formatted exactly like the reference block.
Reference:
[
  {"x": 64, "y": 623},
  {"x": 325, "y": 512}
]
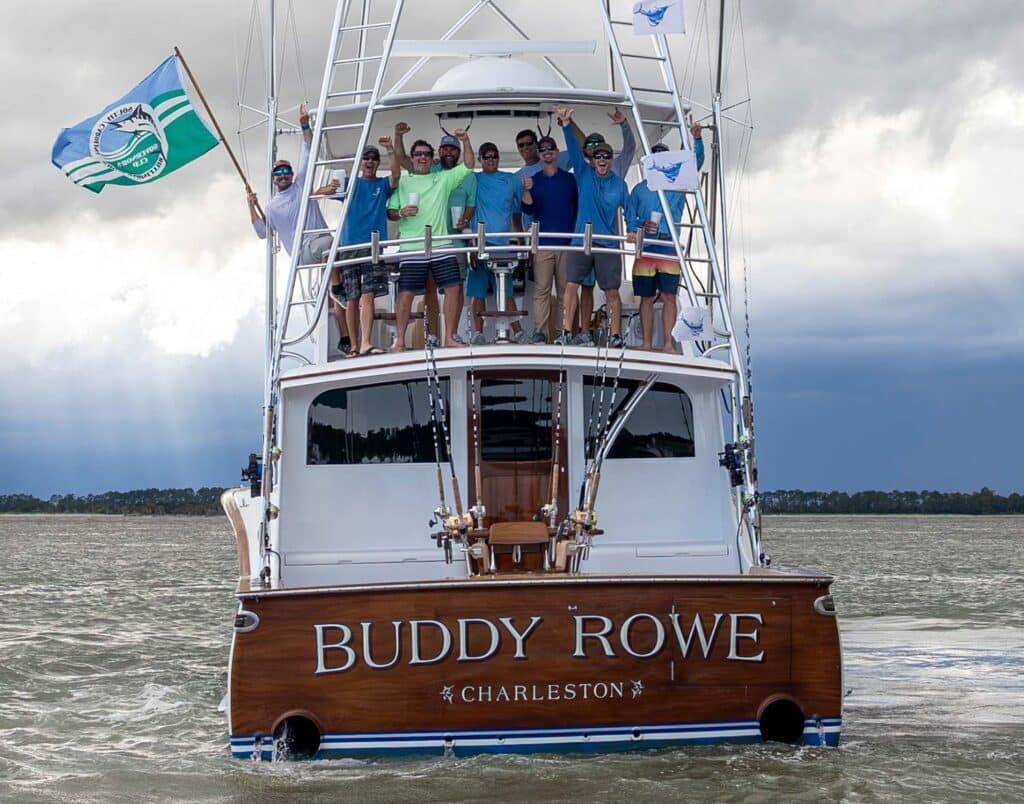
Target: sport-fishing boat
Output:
[{"x": 512, "y": 547}]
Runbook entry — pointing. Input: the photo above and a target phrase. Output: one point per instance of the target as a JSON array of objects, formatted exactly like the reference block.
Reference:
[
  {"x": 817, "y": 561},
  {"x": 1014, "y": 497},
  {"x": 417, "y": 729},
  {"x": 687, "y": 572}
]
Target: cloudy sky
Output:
[{"x": 879, "y": 219}]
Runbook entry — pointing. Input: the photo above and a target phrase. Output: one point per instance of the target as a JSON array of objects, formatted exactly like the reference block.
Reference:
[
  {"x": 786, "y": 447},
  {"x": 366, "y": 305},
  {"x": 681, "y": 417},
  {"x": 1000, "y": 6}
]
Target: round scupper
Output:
[{"x": 496, "y": 74}]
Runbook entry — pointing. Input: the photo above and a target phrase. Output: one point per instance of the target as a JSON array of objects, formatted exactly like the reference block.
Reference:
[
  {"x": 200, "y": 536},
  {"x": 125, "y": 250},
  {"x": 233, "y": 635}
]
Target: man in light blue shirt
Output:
[
  {"x": 498, "y": 203},
  {"x": 602, "y": 195}
]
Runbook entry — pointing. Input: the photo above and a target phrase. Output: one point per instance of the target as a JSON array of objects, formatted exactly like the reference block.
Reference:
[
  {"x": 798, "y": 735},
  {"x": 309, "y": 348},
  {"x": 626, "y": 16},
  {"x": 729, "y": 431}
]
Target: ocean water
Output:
[{"x": 114, "y": 636}]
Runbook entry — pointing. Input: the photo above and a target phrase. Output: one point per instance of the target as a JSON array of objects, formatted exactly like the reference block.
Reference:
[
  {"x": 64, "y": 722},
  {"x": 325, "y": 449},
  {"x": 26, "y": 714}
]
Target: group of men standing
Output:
[{"x": 449, "y": 196}]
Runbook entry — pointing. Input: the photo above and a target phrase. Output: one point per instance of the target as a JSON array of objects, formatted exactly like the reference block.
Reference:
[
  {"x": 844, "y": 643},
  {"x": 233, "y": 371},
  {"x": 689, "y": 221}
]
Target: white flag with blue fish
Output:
[
  {"x": 671, "y": 170},
  {"x": 150, "y": 132},
  {"x": 692, "y": 325},
  {"x": 658, "y": 17}
]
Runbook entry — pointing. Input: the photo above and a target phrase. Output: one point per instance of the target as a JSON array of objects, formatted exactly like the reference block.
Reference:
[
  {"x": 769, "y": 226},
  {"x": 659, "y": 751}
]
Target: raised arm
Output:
[
  {"x": 698, "y": 144},
  {"x": 401, "y": 129},
  {"x": 572, "y": 147},
  {"x": 396, "y": 167},
  {"x": 468, "y": 157},
  {"x": 624, "y": 160}
]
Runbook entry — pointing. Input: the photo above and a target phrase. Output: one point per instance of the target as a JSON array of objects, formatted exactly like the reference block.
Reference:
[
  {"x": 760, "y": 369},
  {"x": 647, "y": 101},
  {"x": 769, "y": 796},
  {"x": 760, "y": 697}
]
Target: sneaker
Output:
[
  {"x": 538, "y": 337},
  {"x": 616, "y": 342},
  {"x": 335, "y": 293},
  {"x": 478, "y": 339},
  {"x": 583, "y": 339},
  {"x": 519, "y": 337},
  {"x": 565, "y": 339}
]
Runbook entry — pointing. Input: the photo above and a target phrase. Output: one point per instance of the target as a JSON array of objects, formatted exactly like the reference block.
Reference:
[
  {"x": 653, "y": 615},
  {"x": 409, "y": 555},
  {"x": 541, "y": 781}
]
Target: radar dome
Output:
[{"x": 496, "y": 74}]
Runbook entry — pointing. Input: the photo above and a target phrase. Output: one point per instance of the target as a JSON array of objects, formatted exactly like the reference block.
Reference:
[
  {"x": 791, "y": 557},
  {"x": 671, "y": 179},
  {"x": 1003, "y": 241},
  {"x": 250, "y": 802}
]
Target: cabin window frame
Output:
[
  {"x": 423, "y": 452},
  {"x": 585, "y": 413}
]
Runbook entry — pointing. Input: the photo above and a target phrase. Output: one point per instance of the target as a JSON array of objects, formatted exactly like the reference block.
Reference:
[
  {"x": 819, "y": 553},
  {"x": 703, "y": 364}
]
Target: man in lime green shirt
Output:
[{"x": 421, "y": 200}]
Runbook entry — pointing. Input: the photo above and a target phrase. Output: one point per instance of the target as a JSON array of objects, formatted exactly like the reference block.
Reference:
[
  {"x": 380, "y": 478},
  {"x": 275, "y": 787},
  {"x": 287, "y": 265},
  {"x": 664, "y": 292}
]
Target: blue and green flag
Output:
[{"x": 150, "y": 132}]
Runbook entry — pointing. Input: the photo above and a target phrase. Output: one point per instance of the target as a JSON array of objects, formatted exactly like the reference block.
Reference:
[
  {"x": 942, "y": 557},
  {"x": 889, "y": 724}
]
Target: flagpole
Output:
[{"x": 216, "y": 125}]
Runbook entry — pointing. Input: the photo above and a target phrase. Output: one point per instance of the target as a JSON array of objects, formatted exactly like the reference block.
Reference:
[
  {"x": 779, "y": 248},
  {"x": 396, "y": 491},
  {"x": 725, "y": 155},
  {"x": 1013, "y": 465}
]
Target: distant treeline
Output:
[
  {"x": 201, "y": 502},
  {"x": 206, "y": 502},
  {"x": 985, "y": 501}
]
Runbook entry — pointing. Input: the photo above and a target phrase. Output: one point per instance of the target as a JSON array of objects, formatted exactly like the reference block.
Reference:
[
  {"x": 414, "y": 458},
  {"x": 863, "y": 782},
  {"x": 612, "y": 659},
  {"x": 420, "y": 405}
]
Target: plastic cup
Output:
[
  {"x": 340, "y": 176},
  {"x": 414, "y": 199},
  {"x": 456, "y": 214},
  {"x": 656, "y": 217}
]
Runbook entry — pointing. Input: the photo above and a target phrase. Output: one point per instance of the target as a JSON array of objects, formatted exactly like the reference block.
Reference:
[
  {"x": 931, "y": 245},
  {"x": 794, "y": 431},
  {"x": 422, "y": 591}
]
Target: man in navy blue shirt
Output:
[
  {"x": 550, "y": 197},
  {"x": 367, "y": 212}
]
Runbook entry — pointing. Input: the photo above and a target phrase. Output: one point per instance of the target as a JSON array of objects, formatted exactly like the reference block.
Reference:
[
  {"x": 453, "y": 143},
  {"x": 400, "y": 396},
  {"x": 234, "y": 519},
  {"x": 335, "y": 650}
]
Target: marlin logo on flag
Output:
[
  {"x": 654, "y": 15},
  {"x": 150, "y": 132},
  {"x": 691, "y": 324},
  {"x": 658, "y": 17},
  {"x": 671, "y": 171}
]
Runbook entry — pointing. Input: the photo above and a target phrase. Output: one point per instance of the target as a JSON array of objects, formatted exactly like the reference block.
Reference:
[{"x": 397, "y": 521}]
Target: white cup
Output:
[
  {"x": 414, "y": 199},
  {"x": 456, "y": 214},
  {"x": 340, "y": 176},
  {"x": 656, "y": 217}
]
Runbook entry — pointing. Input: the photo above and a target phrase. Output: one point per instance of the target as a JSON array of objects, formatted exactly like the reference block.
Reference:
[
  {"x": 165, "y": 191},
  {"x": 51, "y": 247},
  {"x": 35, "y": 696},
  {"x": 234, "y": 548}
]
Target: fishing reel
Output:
[
  {"x": 584, "y": 519},
  {"x": 732, "y": 460},
  {"x": 549, "y": 511},
  {"x": 254, "y": 474},
  {"x": 477, "y": 513}
]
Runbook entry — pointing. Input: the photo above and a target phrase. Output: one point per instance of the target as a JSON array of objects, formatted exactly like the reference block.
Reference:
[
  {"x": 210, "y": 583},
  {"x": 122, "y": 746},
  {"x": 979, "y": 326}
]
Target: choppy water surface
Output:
[{"x": 114, "y": 636}]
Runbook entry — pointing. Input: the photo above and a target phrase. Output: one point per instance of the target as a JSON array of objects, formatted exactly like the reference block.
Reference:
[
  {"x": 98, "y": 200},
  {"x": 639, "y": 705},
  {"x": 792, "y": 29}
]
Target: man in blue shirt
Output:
[
  {"x": 657, "y": 274},
  {"x": 550, "y": 196},
  {"x": 498, "y": 203},
  {"x": 602, "y": 195},
  {"x": 367, "y": 213}
]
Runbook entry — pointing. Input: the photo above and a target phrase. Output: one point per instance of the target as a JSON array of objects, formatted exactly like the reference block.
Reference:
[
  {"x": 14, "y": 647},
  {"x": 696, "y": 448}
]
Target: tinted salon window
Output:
[
  {"x": 515, "y": 419},
  {"x": 374, "y": 424},
  {"x": 660, "y": 426}
]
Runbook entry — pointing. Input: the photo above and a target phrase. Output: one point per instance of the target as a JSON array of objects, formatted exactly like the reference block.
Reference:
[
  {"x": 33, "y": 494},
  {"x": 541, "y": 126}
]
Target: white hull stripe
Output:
[{"x": 540, "y": 739}]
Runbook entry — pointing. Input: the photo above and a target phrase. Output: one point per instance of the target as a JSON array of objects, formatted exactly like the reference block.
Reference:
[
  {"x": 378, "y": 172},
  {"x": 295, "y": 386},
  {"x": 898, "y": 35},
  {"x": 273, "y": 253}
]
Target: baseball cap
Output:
[
  {"x": 448, "y": 139},
  {"x": 487, "y": 147},
  {"x": 371, "y": 150},
  {"x": 659, "y": 148},
  {"x": 603, "y": 148},
  {"x": 593, "y": 139}
]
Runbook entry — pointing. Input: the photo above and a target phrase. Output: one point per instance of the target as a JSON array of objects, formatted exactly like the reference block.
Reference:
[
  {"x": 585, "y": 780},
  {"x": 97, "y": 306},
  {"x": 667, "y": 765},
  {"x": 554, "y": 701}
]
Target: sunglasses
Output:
[
  {"x": 488, "y": 156},
  {"x": 282, "y": 171},
  {"x": 423, "y": 153},
  {"x": 371, "y": 158},
  {"x": 604, "y": 157},
  {"x": 546, "y": 149},
  {"x": 526, "y": 144}
]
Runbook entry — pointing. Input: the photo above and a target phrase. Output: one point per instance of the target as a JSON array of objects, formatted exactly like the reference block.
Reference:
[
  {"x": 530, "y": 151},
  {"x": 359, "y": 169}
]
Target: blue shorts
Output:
[
  {"x": 412, "y": 273},
  {"x": 647, "y": 287},
  {"x": 581, "y": 269},
  {"x": 481, "y": 283}
]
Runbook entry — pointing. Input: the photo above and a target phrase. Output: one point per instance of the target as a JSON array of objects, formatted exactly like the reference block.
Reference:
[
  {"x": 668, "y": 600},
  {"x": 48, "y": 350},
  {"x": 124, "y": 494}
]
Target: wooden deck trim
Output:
[{"x": 246, "y": 590}]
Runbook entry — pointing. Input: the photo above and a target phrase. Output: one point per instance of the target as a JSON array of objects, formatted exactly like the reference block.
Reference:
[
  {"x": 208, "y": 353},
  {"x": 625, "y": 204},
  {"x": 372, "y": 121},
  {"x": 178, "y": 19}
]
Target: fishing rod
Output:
[{"x": 457, "y": 525}]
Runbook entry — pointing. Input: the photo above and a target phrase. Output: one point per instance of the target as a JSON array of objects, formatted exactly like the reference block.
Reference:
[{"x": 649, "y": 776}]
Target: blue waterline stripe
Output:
[{"x": 578, "y": 738}]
